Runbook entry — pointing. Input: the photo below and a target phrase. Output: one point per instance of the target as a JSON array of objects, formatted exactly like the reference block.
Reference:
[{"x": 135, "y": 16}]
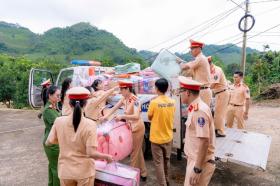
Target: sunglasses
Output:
[
  {"x": 181, "y": 90},
  {"x": 178, "y": 91},
  {"x": 193, "y": 48}
]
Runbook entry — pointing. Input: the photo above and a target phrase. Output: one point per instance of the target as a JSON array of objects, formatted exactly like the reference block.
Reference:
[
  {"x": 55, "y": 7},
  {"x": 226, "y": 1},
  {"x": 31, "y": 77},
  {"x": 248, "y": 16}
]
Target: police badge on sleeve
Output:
[
  {"x": 201, "y": 121},
  {"x": 136, "y": 105},
  {"x": 216, "y": 77}
]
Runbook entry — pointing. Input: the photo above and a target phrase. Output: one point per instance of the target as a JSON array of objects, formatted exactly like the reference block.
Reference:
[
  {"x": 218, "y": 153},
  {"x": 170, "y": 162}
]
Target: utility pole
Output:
[{"x": 243, "y": 61}]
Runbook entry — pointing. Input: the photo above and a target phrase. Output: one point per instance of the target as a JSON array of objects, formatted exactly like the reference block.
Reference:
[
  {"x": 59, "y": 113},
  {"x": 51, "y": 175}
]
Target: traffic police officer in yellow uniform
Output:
[
  {"x": 77, "y": 139},
  {"x": 200, "y": 69},
  {"x": 239, "y": 100},
  {"x": 200, "y": 135},
  {"x": 219, "y": 87}
]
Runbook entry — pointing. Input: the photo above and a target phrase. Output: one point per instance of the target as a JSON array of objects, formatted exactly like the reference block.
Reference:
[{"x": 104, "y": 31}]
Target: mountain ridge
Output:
[{"x": 85, "y": 41}]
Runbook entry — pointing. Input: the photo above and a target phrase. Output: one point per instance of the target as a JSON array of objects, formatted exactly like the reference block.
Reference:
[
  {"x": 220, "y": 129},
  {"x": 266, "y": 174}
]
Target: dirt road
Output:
[{"x": 23, "y": 162}]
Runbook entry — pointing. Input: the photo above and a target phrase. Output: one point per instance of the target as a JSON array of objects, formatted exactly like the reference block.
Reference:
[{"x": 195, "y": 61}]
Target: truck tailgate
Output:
[{"x": 244, "y": 148}]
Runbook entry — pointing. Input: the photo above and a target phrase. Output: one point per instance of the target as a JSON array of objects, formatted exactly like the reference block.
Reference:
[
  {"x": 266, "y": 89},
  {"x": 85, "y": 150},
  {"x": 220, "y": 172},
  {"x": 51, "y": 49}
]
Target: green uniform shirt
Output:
[{"x": 49, "y": 116}]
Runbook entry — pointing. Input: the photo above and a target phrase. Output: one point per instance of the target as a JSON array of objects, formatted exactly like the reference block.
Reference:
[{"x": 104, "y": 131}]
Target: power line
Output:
[
  {"x": 266, "y": 11},
  {"x": 248, "y": 39},
  {"x": 205, "y": 27},
  {"x": 234, "y": 40},
  {"x": 268, "y": 35},
  {"x": 172, "y": 38},
  {"x": 267, "y": 1},
  {"x": 193, "y": 28},
  {"x": 267, "y": 32},
  {"x": 186, "y": 50},
  {"x": 229, "y": 38},
  {"x": 260, "y": 42},
  {"x": 237, "y": 5},
  {"x": 258, "y": 14},
  {"x": 216, "y": 24}
]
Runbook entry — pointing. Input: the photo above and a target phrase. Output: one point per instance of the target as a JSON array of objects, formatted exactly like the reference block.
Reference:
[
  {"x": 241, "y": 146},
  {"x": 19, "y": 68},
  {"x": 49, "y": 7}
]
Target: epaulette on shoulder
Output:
[
  {"x": 133, "y": 98},
  {"x": 91, "y": 119},
  {"x": 195, "y": 107},
  {"x": 243, "y": 84}
]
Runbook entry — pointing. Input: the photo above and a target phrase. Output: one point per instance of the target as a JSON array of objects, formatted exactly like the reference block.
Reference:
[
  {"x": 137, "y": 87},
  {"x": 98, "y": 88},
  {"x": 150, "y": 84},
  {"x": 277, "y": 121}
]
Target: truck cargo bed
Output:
[{"x": 245, "y": 148}]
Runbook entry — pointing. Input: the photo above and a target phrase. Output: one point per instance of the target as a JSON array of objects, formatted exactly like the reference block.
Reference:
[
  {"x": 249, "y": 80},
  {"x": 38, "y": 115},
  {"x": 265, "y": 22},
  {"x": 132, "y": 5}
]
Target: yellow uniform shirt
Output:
[{"x": 161, "y": 110}]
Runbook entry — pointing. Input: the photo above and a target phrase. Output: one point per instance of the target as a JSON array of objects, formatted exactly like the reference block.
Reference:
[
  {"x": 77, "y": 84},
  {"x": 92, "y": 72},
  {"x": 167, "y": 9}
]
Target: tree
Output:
[
  {"x": 14, "y": 77},
  {"x": 7, "y": 88},
  {"x": 230, "y": 69},
  {"x": 263, "y": 70},
  {"x": 217, "y": 61}
]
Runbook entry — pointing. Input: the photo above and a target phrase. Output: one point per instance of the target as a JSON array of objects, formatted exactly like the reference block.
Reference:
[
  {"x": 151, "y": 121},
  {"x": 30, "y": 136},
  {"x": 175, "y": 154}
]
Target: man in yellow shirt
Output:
[{"x": 161, "y": 114}]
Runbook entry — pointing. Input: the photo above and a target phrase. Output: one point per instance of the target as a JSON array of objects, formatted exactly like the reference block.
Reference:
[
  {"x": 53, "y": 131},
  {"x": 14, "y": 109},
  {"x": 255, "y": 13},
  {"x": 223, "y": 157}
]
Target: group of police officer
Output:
[
  {"x": 231, "y": 102},
  {"x": 207, "y": 80}
]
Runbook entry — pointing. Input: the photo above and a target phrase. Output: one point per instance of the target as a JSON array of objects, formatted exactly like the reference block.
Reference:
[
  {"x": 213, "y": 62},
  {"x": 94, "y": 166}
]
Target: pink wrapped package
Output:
[
  {"x": 115, "y": 138},
  {"x": 148, "y": 72},
  {"x": 116, "y": 174}
]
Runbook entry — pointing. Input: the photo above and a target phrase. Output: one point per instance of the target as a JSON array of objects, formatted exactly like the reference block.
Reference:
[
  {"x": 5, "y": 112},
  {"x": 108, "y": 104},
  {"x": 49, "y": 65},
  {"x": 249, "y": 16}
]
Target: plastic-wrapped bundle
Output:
[
  {"x": 165, "y": 65},
  {"x": 147, "y": 85},
  {"x": 148, "y": 72},
  {"x": 135, "y": 80},
  {"x": 127, "y": 68},
  {"x": 115, "y": 138},
  {"x": 83, "y": 76},
  {"x": 116, "y": 174}
]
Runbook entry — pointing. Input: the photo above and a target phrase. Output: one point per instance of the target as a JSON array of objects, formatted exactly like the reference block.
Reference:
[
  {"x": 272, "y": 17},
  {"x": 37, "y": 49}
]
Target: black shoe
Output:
[
  {"x": 40, "y": 115},
  {"x": 219, "y": 135},
  {"x": 144, "y": 179}
]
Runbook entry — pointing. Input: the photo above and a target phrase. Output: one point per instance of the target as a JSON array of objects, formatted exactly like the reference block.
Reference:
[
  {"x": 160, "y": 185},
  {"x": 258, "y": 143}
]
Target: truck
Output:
[{"x": 239, "y": 146}]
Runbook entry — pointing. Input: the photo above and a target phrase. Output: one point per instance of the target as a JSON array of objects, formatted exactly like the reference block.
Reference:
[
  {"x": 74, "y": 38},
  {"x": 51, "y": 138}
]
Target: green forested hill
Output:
[
  {"x": 15, "y": 39},
  {"x": 84, "y": 41},
  {"x": 81, "y": 41}
]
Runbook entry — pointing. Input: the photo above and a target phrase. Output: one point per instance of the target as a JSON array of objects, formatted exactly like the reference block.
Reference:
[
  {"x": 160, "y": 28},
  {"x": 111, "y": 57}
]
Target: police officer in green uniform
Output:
[{"x": 50, "y": 113}]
